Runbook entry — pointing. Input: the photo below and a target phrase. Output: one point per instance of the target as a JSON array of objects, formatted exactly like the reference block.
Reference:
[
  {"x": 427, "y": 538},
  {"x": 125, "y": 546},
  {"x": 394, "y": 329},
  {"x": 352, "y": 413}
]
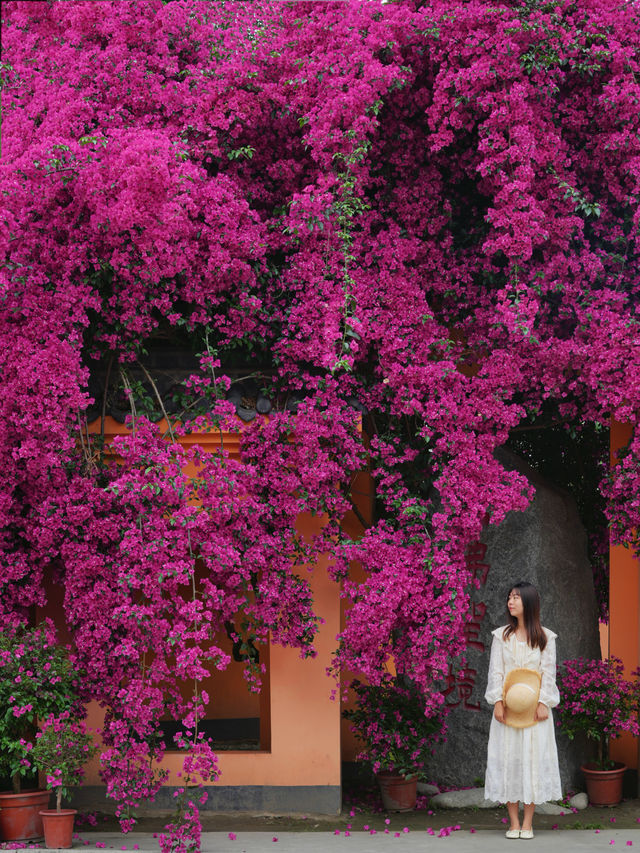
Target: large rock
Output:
[
  {"x": 427, "y": 790},
  {"x": 579, "y": 801},
  {"x": 552, "y": 808},
  {"x": 464, "y": 799},
  {"x": 545, "y": 545},
  {"x": 474, "y": 798}
]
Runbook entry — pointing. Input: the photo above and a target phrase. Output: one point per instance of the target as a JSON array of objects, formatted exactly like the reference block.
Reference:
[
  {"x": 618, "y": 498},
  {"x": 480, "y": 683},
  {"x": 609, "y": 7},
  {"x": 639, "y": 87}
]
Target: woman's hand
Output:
[
  {"x": 542, "y": 713},
  {"x": 498, "y": 711}
]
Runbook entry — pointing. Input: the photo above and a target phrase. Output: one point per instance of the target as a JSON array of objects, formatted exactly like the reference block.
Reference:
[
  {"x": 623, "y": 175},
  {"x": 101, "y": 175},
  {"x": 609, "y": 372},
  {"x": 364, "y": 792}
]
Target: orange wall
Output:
[
  {"x": 362, "y": 495},
  {"x": 624, "y": 609},
  {"x": 229, "y": 696},
  {"x": 304, "y": 719}
]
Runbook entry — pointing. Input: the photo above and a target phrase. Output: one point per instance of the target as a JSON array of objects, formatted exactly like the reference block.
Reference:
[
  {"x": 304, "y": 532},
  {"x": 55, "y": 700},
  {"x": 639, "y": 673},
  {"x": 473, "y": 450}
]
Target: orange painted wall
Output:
[
  {"x": 228, "y": 693},
  {"x": 296, "y": 706},
  {"x": 305, "y": 721},
  {"x": 624, "y": 609},
  {"x": 362, "y": 495}
]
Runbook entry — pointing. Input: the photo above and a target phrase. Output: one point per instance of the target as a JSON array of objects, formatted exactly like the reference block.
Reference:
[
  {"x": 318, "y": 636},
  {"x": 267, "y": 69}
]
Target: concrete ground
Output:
[
  {"x": 463, "y": 830},
  {"x": 460, "y": 841},
  {"x": 355, "y": 817}
]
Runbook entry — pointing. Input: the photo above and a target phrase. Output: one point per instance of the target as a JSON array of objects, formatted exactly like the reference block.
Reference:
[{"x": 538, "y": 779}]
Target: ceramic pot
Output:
[
  {"x": 58, "y": 827},
  {"x": 19, "y": 814},
  {"x": 604, "y": 787},
  {"x": 398, "y": 792}
]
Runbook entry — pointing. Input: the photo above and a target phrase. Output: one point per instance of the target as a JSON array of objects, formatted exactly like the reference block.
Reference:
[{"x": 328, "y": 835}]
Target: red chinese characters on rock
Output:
[
  {"x": 472, "y": 628},
  {"x": 460, "y": 684},
  {"x": 476, "y": 553},
  {"x": 460, "y": 681}
]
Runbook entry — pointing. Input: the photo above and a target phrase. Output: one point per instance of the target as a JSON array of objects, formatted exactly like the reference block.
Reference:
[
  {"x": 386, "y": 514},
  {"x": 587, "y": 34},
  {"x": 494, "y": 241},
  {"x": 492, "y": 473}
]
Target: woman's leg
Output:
[
  {"x": 527, "y": 820},
  {"x": 514, "y": 817}
]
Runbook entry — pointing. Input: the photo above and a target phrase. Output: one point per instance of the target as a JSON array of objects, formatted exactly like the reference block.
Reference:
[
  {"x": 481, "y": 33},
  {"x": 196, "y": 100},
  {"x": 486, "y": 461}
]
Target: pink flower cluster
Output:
[
  {"x": 598, "y": 701},
  {"x": 62, "y": 747},
  {"x": 36, "y": 683},
  {"x": 390, "y": 720}
]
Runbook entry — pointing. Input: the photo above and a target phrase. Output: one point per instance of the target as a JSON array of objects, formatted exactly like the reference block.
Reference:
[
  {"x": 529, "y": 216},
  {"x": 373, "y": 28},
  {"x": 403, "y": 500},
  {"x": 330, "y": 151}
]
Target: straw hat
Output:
[{"x": 520, "y": 695}]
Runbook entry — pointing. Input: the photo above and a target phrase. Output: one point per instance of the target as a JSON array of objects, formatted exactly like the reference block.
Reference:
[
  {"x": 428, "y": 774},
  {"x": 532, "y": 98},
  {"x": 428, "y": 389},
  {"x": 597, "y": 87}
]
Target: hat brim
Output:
[{"x": 526, "y": 718}]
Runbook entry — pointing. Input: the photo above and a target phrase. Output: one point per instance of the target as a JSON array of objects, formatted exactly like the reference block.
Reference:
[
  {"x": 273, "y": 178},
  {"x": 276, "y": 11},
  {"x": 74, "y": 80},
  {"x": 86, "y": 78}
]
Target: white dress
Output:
[{"x": 522, "y": 764}]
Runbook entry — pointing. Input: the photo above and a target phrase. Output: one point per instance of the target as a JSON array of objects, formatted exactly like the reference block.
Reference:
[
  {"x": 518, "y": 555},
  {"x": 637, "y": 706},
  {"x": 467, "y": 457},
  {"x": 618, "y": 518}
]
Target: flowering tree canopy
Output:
[{"x": 418, "y": 217}]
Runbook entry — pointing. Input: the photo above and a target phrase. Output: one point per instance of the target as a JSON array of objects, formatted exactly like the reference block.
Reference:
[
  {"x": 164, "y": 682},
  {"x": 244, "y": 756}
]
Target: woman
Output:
[{"x": 522, "y": 759}]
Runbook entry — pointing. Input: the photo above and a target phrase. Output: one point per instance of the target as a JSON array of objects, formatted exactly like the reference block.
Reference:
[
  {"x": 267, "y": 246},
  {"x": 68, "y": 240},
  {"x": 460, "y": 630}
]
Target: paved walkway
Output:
[{"x": 463, "y": 841}]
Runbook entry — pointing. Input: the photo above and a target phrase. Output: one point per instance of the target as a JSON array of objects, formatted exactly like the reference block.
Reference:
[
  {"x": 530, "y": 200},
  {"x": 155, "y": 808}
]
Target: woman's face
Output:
[{"x": 514, "y": 604}]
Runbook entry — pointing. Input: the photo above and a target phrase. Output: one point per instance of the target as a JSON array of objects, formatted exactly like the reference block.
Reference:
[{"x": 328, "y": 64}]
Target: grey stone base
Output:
[
  {"x": 269, "y": 799},
  {"x": 474, "y": 798}
]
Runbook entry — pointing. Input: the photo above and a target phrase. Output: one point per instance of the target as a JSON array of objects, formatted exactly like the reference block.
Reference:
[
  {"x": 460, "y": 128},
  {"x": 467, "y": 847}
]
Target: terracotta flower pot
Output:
[
  {"x": 398, "y": 792},
  {"x": 19, "y": 814},
  {"x": 604, "y": 787},
  {"x": 58, "y": 827}
]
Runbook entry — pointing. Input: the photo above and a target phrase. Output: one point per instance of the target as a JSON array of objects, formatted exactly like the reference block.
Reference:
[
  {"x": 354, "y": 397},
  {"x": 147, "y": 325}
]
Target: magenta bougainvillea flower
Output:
[{"x": 599, "y": 702}]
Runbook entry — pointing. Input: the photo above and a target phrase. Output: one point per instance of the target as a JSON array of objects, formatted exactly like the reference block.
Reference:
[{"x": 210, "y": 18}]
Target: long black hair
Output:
[{"x": 530, "y": 616}]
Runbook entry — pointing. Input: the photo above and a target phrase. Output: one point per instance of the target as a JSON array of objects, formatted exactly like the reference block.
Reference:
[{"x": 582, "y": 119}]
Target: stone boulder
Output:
[
  {"x": 552, "y": 808},
  {"x": 427, "y": 790},
  {"x": 474, "y": 798},
  {"x": 545, "y": 545},
  {"x": 463, "y": 799},
  {"x": 579, "y": 801}
]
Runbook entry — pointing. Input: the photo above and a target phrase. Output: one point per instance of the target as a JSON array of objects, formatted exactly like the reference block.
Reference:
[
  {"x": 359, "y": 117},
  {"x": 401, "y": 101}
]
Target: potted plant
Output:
[
  {"x": 397, "y": 734},
  {"x": 62, "y": 747},
  {"x": 597, "y": 701},
  {"x": 36, "y": 679}
]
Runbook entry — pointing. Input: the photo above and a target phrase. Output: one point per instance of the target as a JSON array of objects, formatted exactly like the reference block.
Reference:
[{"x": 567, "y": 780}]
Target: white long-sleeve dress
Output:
[{"x": 522, "y": 764}]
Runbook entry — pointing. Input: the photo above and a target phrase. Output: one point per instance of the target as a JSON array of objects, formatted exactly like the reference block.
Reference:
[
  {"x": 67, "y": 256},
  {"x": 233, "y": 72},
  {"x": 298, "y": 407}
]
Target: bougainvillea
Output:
[
  {"x": 60, "y": 749},
  {"x": 37, "y": 681},
  {"x": 414, "y": 225},
  {"x": 390, "y": 723},
  {"x": 599, "y": 702}
]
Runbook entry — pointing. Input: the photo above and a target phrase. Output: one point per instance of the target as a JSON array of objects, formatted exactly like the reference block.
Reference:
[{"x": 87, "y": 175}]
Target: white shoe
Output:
[
  {"x": 526, "y": 833},
  {"x": 513, "y": 833}
]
